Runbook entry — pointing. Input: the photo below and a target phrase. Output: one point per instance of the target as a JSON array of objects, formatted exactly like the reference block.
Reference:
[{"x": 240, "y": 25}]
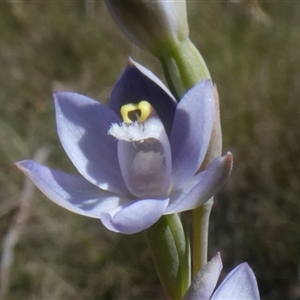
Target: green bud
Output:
[
  {"x": 152, "y": 25},
  {"x": 161, "y": 27}
]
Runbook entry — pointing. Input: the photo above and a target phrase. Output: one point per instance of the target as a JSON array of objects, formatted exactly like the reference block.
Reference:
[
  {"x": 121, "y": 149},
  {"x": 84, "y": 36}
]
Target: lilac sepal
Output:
[
  {"x": 205, "y": 281},
  {"x": 82, "y": 125},
  {"x": 136, "y": 215},
  {"x": 239, "y": 284},
  {"x": 189, "y": 142},
  {"x": 70, "y": 191},
  {"x": 76, "y": 194},
  {"x": 202, "y": 186}
]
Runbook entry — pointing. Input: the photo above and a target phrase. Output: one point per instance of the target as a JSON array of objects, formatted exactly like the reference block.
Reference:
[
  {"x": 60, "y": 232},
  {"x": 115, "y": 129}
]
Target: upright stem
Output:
[
  {"x": 200, "y": 235},
  {"x": 184, "y": 66}
]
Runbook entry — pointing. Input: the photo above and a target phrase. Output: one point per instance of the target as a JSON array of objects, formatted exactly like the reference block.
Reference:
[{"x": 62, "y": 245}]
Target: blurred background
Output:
[{"x": 253, "y": 55}]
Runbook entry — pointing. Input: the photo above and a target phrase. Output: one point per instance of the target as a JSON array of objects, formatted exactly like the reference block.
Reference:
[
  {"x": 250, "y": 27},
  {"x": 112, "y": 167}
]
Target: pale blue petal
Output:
[
  {"x": 146, "y": 72},
  {"x": 82, "y": 125},
  {"x": 134, "y": 217},
  {"x": 70, "y": 191},
  {"x": 239, "y": 284},
  {"x": 202, "y": 186},
  {"x": 205, "y": 281},
  {"x": 191, "y": 131}
]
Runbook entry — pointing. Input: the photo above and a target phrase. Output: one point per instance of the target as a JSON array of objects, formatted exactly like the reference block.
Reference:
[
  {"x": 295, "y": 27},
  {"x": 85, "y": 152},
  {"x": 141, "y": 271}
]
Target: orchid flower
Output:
[
  {"x": 138, "y": 157},
  {"x": 239, "y": 284}
]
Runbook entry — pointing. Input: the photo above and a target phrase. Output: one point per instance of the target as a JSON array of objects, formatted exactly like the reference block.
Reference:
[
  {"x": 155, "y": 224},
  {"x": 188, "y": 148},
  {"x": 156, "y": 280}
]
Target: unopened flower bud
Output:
[{"x": 152, "y": 25}]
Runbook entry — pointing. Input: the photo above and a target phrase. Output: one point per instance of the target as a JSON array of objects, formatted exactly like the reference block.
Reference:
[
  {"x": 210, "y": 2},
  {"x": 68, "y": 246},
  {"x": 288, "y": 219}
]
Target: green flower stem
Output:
[
  {"x": 170, "y": 250},
  {"x": 183, "y": 66},
  {"x": 200, "y": 235}
]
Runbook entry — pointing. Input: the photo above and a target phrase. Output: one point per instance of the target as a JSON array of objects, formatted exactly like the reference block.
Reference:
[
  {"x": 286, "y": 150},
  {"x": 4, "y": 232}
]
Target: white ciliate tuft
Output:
[
  {"x": 136, "y": 131},
  {"x": 122, "y": 131}
]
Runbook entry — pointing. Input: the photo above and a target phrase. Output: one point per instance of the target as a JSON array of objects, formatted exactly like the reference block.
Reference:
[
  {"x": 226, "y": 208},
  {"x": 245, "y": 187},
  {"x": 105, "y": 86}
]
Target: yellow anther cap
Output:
[
  {"x": 125, "y": 110},
  {"x": 143, "y": 111},
  {"x": 146, "y": 110}
]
